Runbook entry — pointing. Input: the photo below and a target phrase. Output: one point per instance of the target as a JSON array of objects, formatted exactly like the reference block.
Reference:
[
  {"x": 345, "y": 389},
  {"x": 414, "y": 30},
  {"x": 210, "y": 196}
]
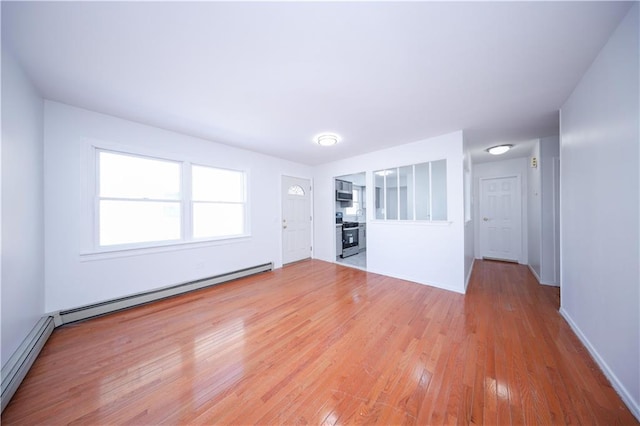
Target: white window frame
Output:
[
  {"x": 98, "y": 199},
  {"x": 192, "y": 202},
  {"x": 93, "y": 249},
  {"x": 413, "y": 176}
]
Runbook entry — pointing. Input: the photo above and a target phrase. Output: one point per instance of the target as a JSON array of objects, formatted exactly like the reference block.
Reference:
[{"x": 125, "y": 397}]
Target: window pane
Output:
[
  {"x": 295, "y": 190},
  {"x": 217, "y": 219},
  {"x": 439, "y": 190},
  {"x": 355, "y": 204},
  {"x": 211, "y": 184},
  {"x": 127, "y": 176},
  {"x": 125, "y": 222},
  {"x": 423, "y": 210},
  {"x": 406, "y": 193},
  {"x": 379, "y": 194},
  {"x": 392, "y": 194}
]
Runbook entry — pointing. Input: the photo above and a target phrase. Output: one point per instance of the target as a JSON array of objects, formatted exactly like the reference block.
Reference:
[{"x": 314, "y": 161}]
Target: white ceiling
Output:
[{"x": 270, "y": 76}]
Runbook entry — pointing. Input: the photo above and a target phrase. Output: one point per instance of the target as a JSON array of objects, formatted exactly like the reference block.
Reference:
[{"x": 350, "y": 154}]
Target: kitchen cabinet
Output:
[
  {"x": 338, "y": 240},
  {"x": 362, "y": 236},
  {"x": 343, "y": 186}
]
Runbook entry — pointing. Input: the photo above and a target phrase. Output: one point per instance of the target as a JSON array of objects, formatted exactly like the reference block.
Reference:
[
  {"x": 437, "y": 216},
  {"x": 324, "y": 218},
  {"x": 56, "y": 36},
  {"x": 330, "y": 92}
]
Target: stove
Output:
[{"x": 349, "y": 239}]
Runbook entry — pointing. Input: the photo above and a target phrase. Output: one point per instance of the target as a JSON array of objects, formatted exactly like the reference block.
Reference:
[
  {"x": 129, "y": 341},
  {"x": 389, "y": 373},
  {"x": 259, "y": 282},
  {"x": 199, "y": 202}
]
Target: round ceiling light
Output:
[
  {"x": 500, "y": 149},
  {"x": 327, "y": 139}
]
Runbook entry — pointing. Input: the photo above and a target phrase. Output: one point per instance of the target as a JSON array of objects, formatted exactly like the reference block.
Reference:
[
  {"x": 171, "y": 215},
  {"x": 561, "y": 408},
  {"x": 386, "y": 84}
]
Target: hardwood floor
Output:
[{"x": 321, "y": 343}]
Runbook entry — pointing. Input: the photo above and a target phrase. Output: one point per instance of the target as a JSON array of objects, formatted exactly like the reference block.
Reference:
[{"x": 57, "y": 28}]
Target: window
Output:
[
  {"x": 218, "y": 202},
  {"x": 355, "y": 204},
  {"x": 144, "y": 201},
  {"x": 416, "y": 192},
  {"x": 295, "y": 190},
  {"x": 139, "y": 199}
]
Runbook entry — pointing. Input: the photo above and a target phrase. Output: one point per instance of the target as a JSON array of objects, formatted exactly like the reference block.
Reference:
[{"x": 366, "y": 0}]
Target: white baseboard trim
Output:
[
  {"x": 466, "y": 281},
  {"x": 634, "y": 406},
  {"x": 535, "y": 274},
  {"x": 17, "y": 367},
  {"x": 417, "y": 281},
  {"x": 22, "y": 359},
  {"x": 540, "y": 281}
]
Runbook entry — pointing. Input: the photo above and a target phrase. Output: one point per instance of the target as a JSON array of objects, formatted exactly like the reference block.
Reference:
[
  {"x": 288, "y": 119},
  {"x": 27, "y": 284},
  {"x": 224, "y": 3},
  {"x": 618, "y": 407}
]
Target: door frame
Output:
[
  {"x": 522, "y": 258},
  {"x": 281, "y": 215}
]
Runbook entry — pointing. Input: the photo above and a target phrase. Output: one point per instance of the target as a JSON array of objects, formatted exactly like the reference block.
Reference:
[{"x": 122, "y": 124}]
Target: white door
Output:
[
  {"x": 296, "y": 219},
  {"x": 501, "y": 218}
]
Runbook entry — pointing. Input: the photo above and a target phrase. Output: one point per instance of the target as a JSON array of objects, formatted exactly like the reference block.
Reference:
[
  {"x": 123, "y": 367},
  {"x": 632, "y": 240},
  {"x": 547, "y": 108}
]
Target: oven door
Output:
[{"x": 349, "y": 237}]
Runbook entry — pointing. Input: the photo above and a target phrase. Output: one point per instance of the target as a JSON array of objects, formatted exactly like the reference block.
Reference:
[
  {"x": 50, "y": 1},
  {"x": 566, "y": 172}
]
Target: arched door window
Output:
[{"x": 295, "y": 190}]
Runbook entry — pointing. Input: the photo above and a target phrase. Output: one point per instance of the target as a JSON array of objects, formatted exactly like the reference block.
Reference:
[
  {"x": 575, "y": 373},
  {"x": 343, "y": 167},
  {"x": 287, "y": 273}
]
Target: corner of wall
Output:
[{"x": 22, "y": 205}]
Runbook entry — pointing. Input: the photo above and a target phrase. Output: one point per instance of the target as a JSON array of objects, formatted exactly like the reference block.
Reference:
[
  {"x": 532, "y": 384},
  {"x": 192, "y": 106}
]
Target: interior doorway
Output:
[{"x": 351, "y": 220}]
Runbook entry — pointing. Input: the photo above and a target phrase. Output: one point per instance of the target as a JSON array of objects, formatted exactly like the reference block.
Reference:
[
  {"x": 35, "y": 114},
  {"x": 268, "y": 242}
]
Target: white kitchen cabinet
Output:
[
  {"x": 362, "y": 236},
  {"x": 338, "y": 240}
]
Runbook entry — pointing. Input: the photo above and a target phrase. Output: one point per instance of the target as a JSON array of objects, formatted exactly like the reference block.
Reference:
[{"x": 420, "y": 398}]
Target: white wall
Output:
[
  {"x": 469, "y": 234},
  {"x": 512, "y": 167},
  {"x": 74, "y": 279},
  {"x": 534, "y": 207},
  {"x": 549, "y": 211},
  {"x": 543, "y": 212},
  {"x": 600, "y": 211},
  {"x": 430, "y": 254},
  {"x": 22, "y": 206}
]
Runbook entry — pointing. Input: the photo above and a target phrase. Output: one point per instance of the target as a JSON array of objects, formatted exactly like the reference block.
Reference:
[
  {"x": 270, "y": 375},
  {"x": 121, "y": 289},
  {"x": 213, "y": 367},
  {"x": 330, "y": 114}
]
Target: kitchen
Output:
[{"x": 351, "y": 215}]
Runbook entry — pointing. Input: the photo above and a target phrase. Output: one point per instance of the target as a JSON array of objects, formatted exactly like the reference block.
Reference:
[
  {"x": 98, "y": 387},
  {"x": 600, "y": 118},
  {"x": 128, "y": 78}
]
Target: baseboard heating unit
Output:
[
  {"x": 90, "y": 311},
  {"x": 18, "y": 365},
  {"x": 15, "y": 370}
]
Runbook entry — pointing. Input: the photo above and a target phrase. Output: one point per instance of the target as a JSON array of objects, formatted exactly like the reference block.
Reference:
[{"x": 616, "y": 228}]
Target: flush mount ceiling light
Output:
[
  {"x": 500, "y": 149},
  {"x": 327, "y": 139}
]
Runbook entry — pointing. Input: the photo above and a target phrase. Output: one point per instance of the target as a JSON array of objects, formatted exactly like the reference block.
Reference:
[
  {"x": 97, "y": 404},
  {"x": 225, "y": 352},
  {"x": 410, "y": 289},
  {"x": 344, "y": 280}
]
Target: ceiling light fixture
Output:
[
  {"x": 327, "y": 139},
  {"x": 500, "y": 149}
]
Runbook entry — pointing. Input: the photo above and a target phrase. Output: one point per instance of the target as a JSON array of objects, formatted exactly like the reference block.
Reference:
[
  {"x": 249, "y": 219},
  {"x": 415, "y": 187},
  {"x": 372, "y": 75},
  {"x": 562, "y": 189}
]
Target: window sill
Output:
[{"x": 103, "y": 254}]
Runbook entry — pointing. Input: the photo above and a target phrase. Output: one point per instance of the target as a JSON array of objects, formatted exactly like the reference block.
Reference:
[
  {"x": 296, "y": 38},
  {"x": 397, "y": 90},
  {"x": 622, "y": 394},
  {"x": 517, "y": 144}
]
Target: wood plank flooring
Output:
[{"x": 320, "y": 343}]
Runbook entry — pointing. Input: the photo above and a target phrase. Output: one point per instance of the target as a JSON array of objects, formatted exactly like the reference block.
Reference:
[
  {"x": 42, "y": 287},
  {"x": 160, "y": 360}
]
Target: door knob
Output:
[{"x": 486, "y": 219}]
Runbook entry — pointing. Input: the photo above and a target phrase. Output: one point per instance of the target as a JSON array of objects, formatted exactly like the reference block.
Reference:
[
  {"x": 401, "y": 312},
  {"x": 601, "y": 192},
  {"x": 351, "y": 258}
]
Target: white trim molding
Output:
[
  {"x": 466, "y": 281},
  {"x": 535, "y": 274},
  {"x": 633, "y": 406}
]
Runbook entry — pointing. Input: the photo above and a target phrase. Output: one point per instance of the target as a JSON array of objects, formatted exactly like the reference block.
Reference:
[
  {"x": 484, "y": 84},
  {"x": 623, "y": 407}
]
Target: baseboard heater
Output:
[
  {"x": 97, "y": 309},
  {"x": 17, "y": 367},
  {"x": 20, "y": 362}
]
